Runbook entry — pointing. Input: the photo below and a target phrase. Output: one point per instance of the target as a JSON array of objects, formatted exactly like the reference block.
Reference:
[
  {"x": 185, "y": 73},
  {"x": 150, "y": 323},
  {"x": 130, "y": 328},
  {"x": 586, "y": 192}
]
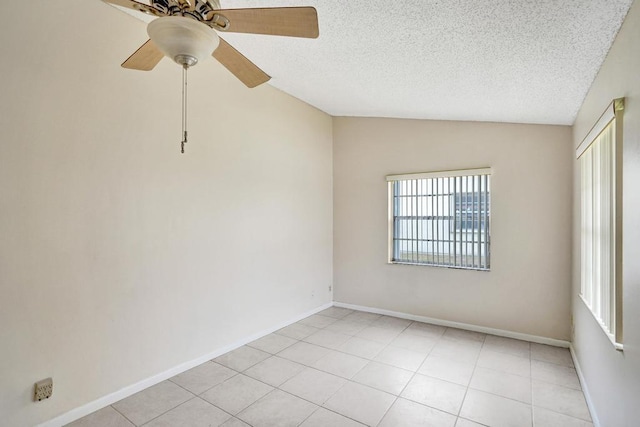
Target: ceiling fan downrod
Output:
[
  {"x": 186, "y": 61},
  {"x": 185, "y": 68}
]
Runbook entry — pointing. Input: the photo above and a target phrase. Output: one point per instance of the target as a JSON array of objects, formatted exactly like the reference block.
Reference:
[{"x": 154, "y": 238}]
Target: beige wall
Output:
[
  {"x": 119, "y": 257},
  {"x": 527, "y": 289},
  {"x": 613, "y": 378}
]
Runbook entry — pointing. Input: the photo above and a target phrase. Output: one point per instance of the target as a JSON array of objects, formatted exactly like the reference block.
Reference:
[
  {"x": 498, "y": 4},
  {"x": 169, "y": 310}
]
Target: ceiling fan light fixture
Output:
[{"x": 182, "y": 39}]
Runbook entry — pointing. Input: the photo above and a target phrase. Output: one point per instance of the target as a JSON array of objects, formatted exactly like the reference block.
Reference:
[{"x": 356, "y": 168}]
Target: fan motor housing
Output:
[{"x": 200, "y": 11}]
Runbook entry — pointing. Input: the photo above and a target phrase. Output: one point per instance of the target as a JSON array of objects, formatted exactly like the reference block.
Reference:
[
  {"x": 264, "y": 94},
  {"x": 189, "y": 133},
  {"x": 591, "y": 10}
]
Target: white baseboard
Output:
[
  {"x": 466, "y": 326},
  {"x": 107, "y": 400},
  {"x": 585, "y": 389}
]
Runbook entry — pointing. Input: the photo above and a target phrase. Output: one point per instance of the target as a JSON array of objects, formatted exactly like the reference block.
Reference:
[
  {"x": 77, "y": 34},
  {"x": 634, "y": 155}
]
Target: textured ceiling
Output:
[{"x": 526, "y": 61}]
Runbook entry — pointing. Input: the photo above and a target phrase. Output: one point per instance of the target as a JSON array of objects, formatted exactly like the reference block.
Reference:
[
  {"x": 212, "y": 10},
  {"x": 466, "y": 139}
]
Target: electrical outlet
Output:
[
  {"x": 43, "y": 389},
  {"x": 330, "y": 287}
]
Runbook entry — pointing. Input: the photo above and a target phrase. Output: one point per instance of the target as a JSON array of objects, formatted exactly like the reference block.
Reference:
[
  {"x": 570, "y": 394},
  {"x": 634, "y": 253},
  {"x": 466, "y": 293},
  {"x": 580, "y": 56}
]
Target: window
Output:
[
  {"x": 601, "y": 219},
  {"x": 468, "y": 205},
  {"x": 440, "y": 219}
]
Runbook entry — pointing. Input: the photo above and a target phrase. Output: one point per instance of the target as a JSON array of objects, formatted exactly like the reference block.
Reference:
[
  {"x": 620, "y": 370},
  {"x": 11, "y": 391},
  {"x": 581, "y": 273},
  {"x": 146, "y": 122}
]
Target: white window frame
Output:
[
  {"x": 599, "y": 158},
  {"x": 476, "y": 240}
]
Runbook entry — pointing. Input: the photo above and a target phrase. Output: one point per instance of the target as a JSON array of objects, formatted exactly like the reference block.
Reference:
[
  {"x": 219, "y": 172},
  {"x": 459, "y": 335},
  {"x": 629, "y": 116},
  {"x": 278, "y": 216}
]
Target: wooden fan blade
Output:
[
  {"x": 140, "y": 7},
  {"x": 246, "y": 71},
  {"x": 145, "y": 58},
  {"x": 276, "y": 21}
]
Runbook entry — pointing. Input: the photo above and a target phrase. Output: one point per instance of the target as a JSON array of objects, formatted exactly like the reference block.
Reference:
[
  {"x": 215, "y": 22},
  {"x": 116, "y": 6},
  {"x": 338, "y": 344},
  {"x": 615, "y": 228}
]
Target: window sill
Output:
[
  {"x": 484, "y": 270},
  {"x": 618, "y": 346}
]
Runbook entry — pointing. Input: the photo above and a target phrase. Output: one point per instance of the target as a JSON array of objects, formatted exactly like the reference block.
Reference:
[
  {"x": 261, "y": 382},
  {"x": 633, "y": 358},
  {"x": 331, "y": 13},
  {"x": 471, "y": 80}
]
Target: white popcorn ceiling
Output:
[{"x": 521, "y": 61}]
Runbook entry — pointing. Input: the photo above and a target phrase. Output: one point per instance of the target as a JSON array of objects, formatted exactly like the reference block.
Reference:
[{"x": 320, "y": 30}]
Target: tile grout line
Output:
[
  {"x": 199, "y": 396},
  {"x": 253, "y": 403},
  {"x": 125, "y": 417},
  {"x": 347, "y": 380},
  {"x": 531, "y": 386},
  {"x": 506, "y": 397},
  {"x": 308, "y": 416},
  {"x": 180, "y": 404},
  {"x": 405, "y": 386},
  {"x": 278, "y": 387},
  {"x": 168, "y": 410},
  {"x": 399, "y": 395},
  {"x": 440, "y": 337},
  {"x": 221, "y": 382},
  {"x": 475, "y": 365},
  {"x": 367, "y": 324},
  {"x": 350, "y": 380}
]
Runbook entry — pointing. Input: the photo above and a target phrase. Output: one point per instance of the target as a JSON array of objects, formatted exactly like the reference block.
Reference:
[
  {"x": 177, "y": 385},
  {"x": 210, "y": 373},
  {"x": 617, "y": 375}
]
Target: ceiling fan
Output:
[{"x": 186, "y": 32}]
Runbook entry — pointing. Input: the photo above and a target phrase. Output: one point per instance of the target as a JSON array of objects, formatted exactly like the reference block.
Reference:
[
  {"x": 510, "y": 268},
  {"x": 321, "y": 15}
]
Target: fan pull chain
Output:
[{"x": 185, "y": 67}]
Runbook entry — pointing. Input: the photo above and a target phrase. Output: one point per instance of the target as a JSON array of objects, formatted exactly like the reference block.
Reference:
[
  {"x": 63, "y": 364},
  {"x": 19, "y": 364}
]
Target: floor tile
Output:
[
  {"x": 380, "y": 354},
  {"x": 277, "y": 409},
  {"x": 346, "y": 327},
  {"x": 556, "y": 374},
  {"x": 325, "y": 418},
  {"x": 326, "y": 338},
  {"x": 151, "y": 402},
  {"x": 503, "y": 384},
  {"x": 389, "y": 322},
  {"x": 193, "y": 413},
  {"x": 560, "y": 399},
  {"x": 447, "y": 369},
  {"x": 401, "y": 358},
  {"x": 340, "y": 364},
  {"x": 507, "y": 345},
  {"x": 361, "y": 347},
  {"x": 304, "y": 353},
  {"x": 405, "y": 413},
  {"x": 494, "y": 410},
  {"x": 234, "y": 422},
  {"x": 313, "y": 385},
  {"x": 436, "y": 393},
  {"x": 297, "y": 331},
  {"x": 361, "y": 403},
  {"x": 237, "y": 393},
  {"x": 426, "y": 330},
  {"x": 383, "y": 377},
  {"x": 461, "y": 351},
  {"x": 461, "y": 334},
  {"x": 381, "y": 335},
  {"x": 318, "y": 321},
  {"x": 273, "y": 343},
  {"x": 414, "y": 342},
  {"x": 545, "y": 418},
  {"x": 203, "y": 377},
  {"x": 242, "y": 358},
  {"x": 336, "y": 312},
  {"x": 361, "y": 316},
  {"x": 467, "y": 423},
  {"x": 105, "y": 417},
  {"x": 274, "y": 370},
  {"x": 505, "y": 363},
  {"x": 547, "y": 353}
]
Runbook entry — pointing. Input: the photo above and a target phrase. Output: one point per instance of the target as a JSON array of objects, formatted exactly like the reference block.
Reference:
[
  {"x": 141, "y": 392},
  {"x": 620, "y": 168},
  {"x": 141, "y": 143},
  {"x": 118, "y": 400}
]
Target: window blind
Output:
[
  {"x": 440, "y": 218},
  {"x": 600, "y": 235}
]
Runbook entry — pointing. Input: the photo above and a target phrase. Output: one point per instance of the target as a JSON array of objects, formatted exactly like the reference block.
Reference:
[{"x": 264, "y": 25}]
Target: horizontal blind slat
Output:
[{"x": 442, "y": 221}]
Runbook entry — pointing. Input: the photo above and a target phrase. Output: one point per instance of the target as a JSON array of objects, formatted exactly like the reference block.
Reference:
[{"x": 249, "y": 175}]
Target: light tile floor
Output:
[{"x": 347, "y": 368}]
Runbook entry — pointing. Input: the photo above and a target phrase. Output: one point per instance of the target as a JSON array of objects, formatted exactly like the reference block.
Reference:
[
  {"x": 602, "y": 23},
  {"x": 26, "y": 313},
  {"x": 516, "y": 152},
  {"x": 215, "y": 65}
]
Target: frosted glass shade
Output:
[{"x": 178, "y": 36}]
